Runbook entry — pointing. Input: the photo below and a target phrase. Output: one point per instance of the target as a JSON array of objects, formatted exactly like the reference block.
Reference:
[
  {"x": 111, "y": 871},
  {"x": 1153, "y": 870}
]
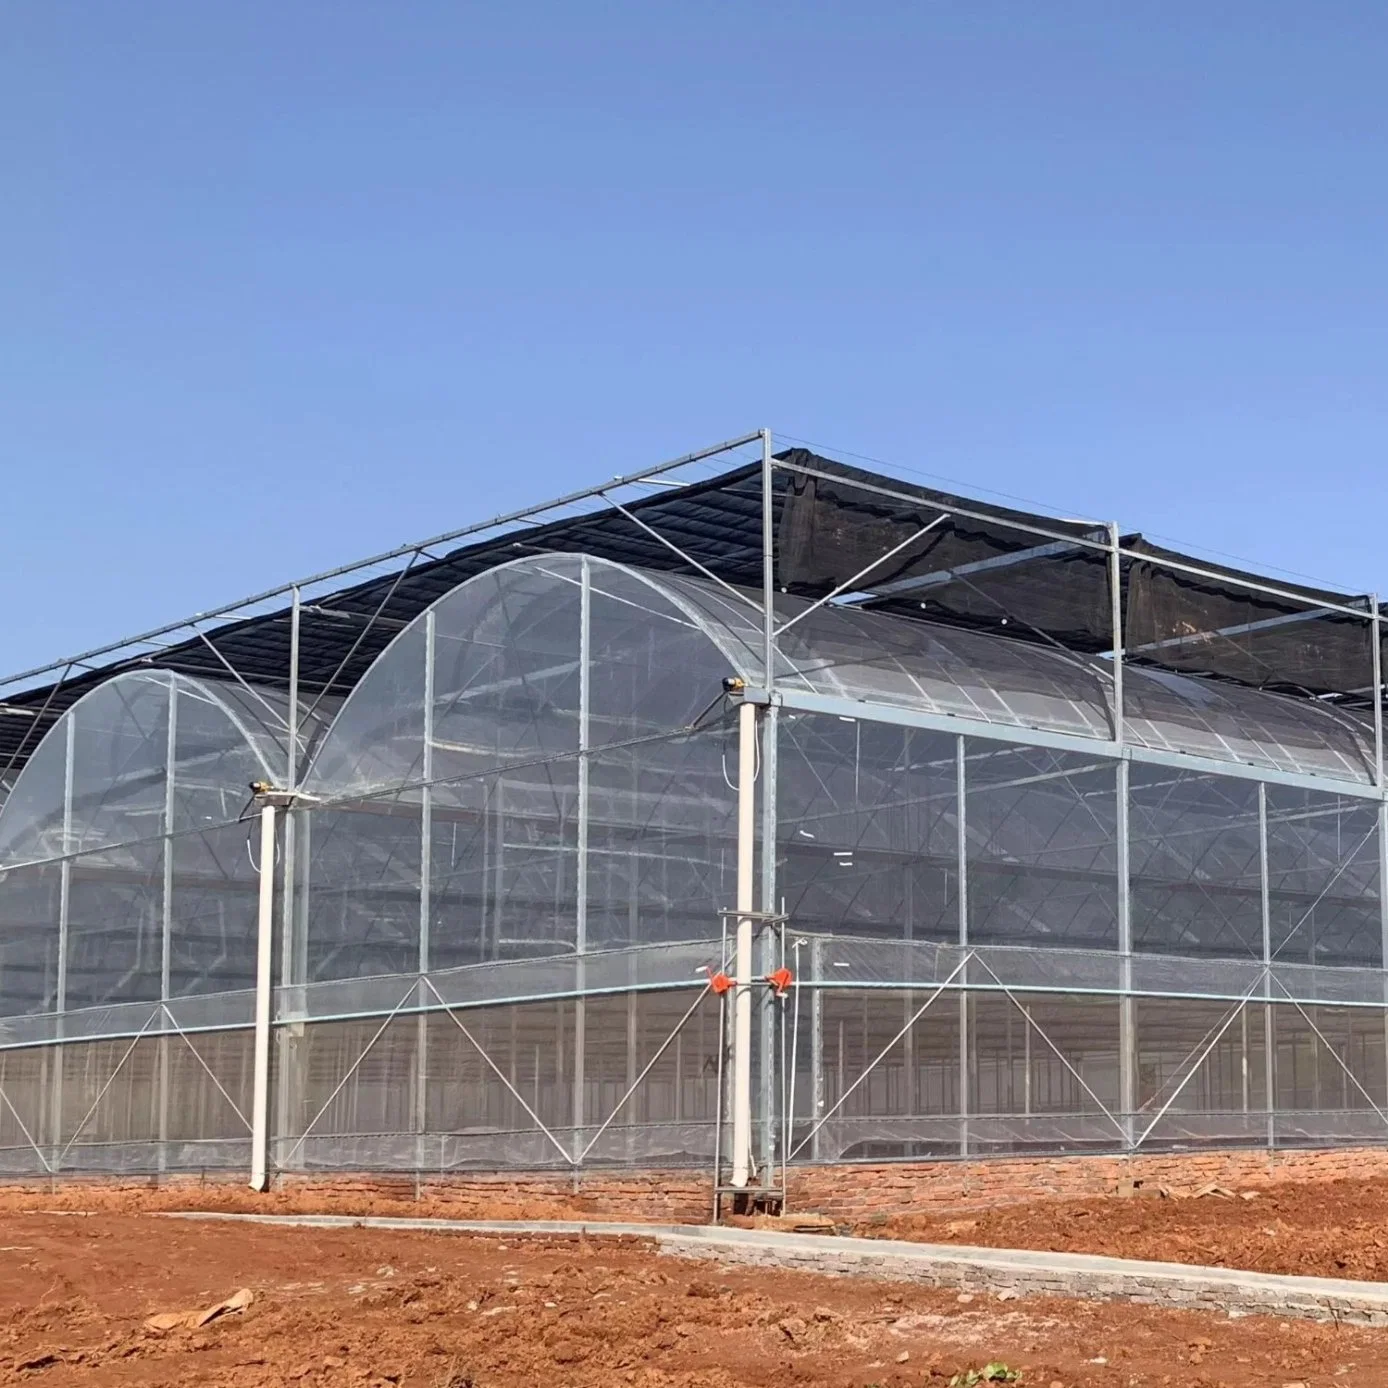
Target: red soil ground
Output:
[
  {"x": 367, "y": 1307},
  {"x": 1321, "y": 1229}
]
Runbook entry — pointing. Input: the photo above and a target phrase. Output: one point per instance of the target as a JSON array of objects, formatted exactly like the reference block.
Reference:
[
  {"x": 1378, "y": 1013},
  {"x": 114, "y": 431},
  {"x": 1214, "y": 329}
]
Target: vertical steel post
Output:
[
  {"x": 1026, "y": 1059},
  {"x": 742, "y": 1007},
  {"x": 1243, "y": 1066},
  {"x": 291, "y": 780},
  {"x": 816, "y": 1043},
  {"x": 1269, "y": 1032},
  {"x": 166, "y": 916},
  {"x": 289, "y": 1082},
  {"x": 1127, "y": 1033},
  {"x": 962, "y": 849},
  {"x": 581, "y": 885},
  {"x": 910, "y": 1098},
  {"x": 166, "y": 913},
  {"x": 64, "y": 907},
  {"x": 768, "y": 890},
  {"x": 264, "y": 960},
  {"x": 1376, "y": 635},
  {"x": 1376, "y": 663},
  {"x": 65, "y": 876},
  {"x": 1115, "y": 595},
  {"x": 772, "y": 942},
  {"x": 1383, "y": 914},
  {"x": 768, "y": 565},
  {"x": 1127, "y": 1007},
  {"x": 633, "y": 970},
  {"x": 426, "y": 851}
]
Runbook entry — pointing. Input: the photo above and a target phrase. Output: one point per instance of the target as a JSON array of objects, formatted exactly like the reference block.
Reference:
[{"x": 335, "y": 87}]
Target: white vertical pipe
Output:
[
  {"x": 742, "y": 1009},
  {"x": 264, "y": 958}
]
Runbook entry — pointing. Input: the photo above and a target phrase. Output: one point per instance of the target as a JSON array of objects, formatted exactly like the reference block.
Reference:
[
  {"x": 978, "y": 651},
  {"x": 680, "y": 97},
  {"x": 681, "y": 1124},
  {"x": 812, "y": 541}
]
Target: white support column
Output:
[
  {"x": 742, "y": 971},
  {"x": 264, "y": 980}
]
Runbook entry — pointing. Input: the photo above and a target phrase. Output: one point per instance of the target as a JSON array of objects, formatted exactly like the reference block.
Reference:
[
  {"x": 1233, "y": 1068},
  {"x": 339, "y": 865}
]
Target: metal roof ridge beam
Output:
[{"x": 226, "y": 610}]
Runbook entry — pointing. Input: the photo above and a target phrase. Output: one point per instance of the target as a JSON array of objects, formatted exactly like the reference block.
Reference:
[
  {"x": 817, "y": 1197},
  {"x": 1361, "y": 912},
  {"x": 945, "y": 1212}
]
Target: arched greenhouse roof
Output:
[
  {"x": 508, "y": 685},
  {"x": 878, "y": 658},
  {"x": 101, "y": 775},
  {"x": 507, "y": 680}
]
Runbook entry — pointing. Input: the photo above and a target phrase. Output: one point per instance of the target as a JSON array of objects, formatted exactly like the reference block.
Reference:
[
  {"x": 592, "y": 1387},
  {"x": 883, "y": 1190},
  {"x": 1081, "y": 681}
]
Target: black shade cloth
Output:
[
  {"x": 1214, "y": 624},
  {"x": 983, "y": 571},
  {"x": 987, "y": 571}
]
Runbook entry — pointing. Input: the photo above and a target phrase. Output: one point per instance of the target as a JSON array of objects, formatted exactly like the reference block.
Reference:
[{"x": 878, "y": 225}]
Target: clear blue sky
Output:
[{"x": 284, "y": 284}]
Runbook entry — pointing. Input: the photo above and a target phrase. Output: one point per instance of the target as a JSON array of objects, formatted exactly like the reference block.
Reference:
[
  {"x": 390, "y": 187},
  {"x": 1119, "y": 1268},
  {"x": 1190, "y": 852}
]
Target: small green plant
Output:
[{"x": 989, "y": 1373}]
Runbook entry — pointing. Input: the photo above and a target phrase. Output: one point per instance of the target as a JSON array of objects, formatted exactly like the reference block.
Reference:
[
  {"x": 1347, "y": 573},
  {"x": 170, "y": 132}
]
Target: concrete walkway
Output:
[{"x": 1021, "y": 1272}]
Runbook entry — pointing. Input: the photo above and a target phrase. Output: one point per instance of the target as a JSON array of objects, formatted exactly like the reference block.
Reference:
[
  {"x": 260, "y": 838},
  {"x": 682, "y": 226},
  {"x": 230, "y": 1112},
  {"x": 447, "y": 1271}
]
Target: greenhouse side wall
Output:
[
  {"x": 506, "y": 894},
  {"x": 503, "y": 889},
  {"x": 1223, "y": 986}
]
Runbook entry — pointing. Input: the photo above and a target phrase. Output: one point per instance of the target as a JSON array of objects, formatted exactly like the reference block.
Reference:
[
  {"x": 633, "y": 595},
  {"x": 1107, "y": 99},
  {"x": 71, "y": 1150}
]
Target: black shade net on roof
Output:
[
  {"x": 872, "y": 541},
  {"x": 1213, "y": 623},
  {"x": 988, "y": 570}
]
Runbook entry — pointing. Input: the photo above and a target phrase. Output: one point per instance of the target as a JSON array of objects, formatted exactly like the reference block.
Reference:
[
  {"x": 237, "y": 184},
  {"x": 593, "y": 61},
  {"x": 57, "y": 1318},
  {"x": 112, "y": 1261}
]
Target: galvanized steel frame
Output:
[{"x": 770, "y": 698}]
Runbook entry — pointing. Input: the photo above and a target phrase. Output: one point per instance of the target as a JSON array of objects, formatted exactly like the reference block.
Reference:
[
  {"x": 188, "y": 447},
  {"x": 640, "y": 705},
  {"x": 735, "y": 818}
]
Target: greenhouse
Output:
[{"x": 744, "y": 812}]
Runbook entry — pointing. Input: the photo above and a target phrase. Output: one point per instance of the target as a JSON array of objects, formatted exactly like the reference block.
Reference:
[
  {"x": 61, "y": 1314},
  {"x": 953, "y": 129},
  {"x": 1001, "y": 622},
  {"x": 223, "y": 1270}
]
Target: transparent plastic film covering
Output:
[{"x": 1022, "y": 896}]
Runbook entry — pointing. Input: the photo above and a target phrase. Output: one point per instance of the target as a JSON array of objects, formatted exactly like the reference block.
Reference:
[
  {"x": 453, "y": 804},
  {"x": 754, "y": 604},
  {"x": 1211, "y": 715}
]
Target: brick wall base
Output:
[
  {"x": 852, "y": 1193},
  {"x": 847, "y": 1194}
]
